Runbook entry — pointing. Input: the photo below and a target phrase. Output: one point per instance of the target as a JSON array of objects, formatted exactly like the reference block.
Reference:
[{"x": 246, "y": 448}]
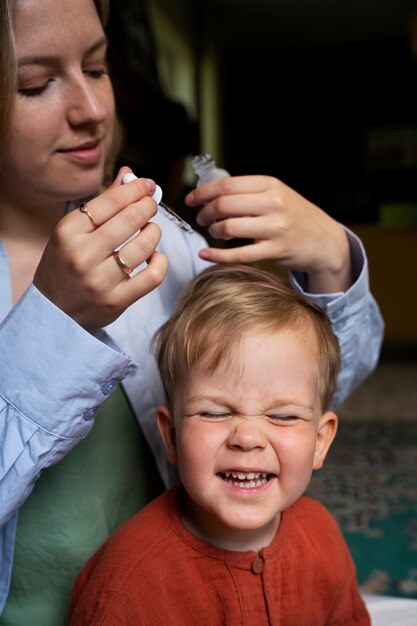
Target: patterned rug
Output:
[{"x": 369, "y": 483}]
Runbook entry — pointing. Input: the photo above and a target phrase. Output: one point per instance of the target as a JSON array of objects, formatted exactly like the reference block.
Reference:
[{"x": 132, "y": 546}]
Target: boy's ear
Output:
[
  {"x": 325, "y": 434},
  {"x": 165, "y": 423}
]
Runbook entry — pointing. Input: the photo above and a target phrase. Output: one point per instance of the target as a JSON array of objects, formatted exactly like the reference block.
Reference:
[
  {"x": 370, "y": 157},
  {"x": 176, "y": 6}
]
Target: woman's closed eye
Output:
[
  {"x": 35, "y": 90},
  {"x": 97, "y": 72}
]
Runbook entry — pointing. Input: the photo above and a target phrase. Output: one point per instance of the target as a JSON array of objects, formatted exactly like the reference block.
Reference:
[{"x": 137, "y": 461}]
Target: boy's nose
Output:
[{"x": 247, "y": 433}]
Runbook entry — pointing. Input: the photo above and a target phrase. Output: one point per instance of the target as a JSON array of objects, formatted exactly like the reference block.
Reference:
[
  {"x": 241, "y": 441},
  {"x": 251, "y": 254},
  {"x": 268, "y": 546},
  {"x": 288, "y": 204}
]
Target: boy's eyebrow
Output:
[
  {"x": 282, "y": 402},
  {"x": 48, "y": 59}
]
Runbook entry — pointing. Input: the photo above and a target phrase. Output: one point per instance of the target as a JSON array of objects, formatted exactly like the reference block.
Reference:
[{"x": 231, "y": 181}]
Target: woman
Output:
[{"x": 61, "y": 493}]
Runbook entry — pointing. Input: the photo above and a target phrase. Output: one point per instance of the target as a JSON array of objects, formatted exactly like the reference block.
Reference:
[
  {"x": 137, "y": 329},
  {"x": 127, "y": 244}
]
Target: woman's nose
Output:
[
  {"x": 85, "y": 103},
  {"x": 247, "y": 434}
]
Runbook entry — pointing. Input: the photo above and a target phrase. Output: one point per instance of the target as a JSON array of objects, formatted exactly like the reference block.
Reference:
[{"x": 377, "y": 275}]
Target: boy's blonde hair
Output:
[{"x": 223, "y": 302}]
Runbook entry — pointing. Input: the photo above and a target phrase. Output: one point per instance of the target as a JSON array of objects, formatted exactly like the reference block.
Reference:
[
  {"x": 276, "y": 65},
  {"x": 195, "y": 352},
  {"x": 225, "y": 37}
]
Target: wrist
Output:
[{"x": 336, "y": 274}]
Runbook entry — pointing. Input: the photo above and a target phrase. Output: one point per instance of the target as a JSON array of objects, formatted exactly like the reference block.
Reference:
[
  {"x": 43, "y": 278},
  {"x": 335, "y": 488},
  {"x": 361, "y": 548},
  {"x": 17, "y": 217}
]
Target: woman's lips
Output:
[{"x": 88, "y": 153}]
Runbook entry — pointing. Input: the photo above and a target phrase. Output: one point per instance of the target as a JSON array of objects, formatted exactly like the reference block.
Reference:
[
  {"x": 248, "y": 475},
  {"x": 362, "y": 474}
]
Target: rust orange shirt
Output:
[{"x": 154, "y": 571}]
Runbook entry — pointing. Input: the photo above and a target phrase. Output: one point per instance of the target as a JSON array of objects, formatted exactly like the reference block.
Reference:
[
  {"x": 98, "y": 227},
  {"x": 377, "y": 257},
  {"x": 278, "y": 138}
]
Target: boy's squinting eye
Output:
[
  {"x": 282, "y": 419},
  {"x": 278, "y": 420},
  {"x": 219, "y": 416}
]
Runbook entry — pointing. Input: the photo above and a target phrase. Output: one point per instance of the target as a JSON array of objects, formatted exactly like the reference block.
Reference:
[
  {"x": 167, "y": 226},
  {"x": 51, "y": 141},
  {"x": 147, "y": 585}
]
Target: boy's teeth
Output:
[
  {"x": 246, "y": 480},
  {"x": 245, "y": 475}
]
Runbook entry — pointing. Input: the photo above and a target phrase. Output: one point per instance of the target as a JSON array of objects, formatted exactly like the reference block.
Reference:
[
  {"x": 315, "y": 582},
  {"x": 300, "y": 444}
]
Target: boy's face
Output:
[{"x": 247, "y": 437}]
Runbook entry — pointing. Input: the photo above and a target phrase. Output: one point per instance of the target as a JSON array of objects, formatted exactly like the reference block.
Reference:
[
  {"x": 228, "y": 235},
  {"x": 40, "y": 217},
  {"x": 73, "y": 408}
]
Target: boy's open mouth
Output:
[{"x": 247, "y": 480}]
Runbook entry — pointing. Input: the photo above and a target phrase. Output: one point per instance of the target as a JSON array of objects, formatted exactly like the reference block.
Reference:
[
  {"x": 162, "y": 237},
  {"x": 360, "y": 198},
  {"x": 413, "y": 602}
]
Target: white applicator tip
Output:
[
  {"x": 165, "y": 210},
  {"x": 127, "y": 178},
  {"x": 157, "y": 194}
]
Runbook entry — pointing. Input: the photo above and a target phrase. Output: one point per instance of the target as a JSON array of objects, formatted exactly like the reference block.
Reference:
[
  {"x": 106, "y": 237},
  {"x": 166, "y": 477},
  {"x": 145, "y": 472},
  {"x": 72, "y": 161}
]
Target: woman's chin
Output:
[{"x": 86, "y": 189}]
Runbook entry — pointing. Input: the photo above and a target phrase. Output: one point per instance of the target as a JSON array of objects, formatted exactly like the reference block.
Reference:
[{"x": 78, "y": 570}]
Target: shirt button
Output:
[
  {"x": 89, "y": 414},
  {"x": 108, "y": 387},
  {"x": 258, "y": 566},
  {"x": 339, "y": 311},
  {"x": 340, "y": 325}
]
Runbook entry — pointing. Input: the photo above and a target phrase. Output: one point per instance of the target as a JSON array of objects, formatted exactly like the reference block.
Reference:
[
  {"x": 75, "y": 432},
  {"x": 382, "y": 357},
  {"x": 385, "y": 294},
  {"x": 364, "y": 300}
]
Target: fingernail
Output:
[
  {"x": 199, "y": 220},
  {"x": 204, "y": 254},
  {"x": 150, "y": 184},
  {"x": 189, "y": 198}
]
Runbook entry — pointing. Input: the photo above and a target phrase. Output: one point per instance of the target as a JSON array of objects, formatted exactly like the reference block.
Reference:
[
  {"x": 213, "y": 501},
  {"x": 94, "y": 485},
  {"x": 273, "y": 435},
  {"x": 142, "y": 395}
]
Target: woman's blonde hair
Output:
[
  {"x": 225, "y": 301},
  {"x": 8, "y": 69},
  {"x": 8, "y": 63}
]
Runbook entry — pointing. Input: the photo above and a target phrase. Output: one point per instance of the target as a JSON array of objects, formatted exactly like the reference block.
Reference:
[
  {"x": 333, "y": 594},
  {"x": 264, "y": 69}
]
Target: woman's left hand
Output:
[{"x": 284, "y": 227}]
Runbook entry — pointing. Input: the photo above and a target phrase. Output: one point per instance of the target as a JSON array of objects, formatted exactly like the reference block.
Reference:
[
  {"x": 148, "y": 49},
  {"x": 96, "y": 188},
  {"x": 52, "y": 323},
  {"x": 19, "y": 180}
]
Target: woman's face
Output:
[{"x": 62, "y": 123}]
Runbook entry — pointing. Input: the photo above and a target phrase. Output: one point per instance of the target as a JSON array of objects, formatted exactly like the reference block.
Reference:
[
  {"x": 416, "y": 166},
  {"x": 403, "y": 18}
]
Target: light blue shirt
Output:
[{"x": 55, "y": 376}]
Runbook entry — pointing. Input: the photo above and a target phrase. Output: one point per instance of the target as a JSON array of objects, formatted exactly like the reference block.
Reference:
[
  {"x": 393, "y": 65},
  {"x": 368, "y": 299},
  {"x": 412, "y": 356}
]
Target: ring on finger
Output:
[
  {"x": 123, "y": 266},
  {"x": 84, "y": 209}
]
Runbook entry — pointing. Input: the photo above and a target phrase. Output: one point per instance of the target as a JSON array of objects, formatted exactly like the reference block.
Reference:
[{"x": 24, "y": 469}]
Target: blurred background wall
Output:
[{"x": 320, "y": 94}]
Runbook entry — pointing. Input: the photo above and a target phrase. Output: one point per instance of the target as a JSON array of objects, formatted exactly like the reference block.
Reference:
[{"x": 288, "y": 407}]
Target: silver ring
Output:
[
  {"x": 84, "y": 209},
  {"x": 123, "y": 266}
]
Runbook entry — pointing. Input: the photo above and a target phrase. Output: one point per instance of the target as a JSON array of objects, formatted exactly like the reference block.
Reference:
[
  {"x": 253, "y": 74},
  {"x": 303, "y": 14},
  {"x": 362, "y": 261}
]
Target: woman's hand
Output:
[
  {"x": 78, "y": 271},
  {"x": 285, "y": 228}
]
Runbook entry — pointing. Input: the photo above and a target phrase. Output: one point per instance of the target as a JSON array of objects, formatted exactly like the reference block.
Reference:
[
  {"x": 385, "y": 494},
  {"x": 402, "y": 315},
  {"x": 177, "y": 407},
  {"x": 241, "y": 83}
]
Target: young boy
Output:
[{"x": 249, "y": 369}]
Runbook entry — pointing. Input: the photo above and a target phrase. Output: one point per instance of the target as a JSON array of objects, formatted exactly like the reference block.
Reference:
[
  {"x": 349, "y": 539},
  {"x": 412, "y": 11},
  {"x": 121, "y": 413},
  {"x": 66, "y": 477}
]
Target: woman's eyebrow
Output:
[
  {"x": 48, "y": 59},
  {"x": 35, "y": 60},
  {"x": 101, "y": 43}
]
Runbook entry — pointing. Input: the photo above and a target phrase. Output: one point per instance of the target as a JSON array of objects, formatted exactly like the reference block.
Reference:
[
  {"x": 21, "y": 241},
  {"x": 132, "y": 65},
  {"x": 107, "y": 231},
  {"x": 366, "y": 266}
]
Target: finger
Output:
[
  {"x": 127, "y": 170},
  {"x": 122, "y": 171},
  {"x": 245, "y": 228},
  {"x": 123, "y": 226},
  {"x": 136, "y": 251},
  {"x": 227, "y": 186},
  {"x": 234, "y": 206},
  {"x": 258, "y": 251},
  {"x": 111, "y": 202},
  {"x": 145, "y": 281}
]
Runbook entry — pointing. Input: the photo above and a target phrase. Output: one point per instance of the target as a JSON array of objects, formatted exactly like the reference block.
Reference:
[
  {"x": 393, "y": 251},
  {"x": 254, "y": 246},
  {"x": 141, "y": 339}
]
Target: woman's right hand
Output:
[{"x": 78, "y": 271}]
